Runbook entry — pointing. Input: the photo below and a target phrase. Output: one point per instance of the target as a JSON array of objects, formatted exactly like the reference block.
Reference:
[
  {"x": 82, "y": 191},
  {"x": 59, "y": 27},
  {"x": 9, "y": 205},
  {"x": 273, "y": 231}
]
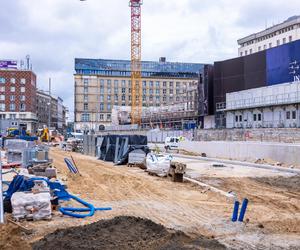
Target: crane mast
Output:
[{"x": 136, "y": 68}]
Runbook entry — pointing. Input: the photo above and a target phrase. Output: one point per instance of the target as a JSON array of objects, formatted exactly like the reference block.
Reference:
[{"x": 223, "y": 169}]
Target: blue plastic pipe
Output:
[
  {"x": 243, "y": 210},
  {"x": 235, "y": 211},
  {"x": 89, "y": 208},
  {"x": 71, "y": 167}
]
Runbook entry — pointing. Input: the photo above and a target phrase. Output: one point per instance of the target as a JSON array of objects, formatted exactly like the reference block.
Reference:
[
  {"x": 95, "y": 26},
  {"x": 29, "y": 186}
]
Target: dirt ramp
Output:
[{"x": 123, "y": 233}]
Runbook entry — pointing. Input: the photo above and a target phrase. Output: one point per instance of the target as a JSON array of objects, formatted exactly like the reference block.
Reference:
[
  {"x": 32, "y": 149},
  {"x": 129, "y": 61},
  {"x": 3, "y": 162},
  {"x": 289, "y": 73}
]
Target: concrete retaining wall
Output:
[{"x": 246, "y": 151}]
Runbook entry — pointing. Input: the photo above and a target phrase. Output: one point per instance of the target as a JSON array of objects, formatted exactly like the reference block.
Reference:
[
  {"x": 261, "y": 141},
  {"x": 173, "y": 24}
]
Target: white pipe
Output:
[{"x": 216, "y": 190}]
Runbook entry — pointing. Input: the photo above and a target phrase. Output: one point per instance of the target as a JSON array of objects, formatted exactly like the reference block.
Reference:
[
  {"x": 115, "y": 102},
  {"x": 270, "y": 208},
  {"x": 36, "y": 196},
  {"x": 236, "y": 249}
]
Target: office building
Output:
[
  {"x": 277, "y": 35},
  {"x": 18, "y": 95},
  {"x": 101, "y": 84}
]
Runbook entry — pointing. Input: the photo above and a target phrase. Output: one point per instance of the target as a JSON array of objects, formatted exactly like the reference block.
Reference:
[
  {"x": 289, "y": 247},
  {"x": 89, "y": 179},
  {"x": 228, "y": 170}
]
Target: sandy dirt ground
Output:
[{"x": 272, "y": 220}]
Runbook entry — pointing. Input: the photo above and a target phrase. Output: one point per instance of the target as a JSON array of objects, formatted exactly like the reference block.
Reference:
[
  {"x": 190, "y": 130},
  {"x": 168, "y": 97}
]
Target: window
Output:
[
  {"x": 108, "y": 97},
  {"x": 85, "y": 82},
  {"x": 290, "y": 38},
  {"x": 116, "y": 83},
  {"x": 123, "y": 90},
  {"x": 12, "y": 98},
  {"x": 85, "y": 117},
  {"x": 151, "y": 84},
  {"x": 250, "y": 51},
  {"x": 157, "y": 91},
  {"x": 164, "y": 84},
  {"x": 270, "y": 45},
  {"x": 12, "y": 107},
  {"x": 2, "y": 97},
  {"x": 284, "y": 40},
  {"x": 101, "y": 89},
  {"x": 150, "y": 91},
  {"x": 2, "y": 107},
  {"x": 294, "y": 114},
  {"x": 164, "y": 91},
  {"x": 254, "y": 117},
  {"x": 22, "y": 98},
  {"x": 12, "y": 80},
  {"x": 101, "y": 117},
  {"x": 288, "y": 115},
  {"x": 108, "y": 106},
  {"x": 177, "y": 91},
  {"x": 177, "y": 84},
  {"x": 2, "y": 89},
  {"x": 144, "y": 83},
  {"x": 116, "y": 90},
  {"x": 129, "y": 83},
  {"x": 278, "y": 42},
  {"x": 108, "y": 90},
  {"x": 123, "y": 97},
  {"x": 22, "y": 89},
  {"x": 129, "y": 98},
  {"x": 101, "y": 106},
  {"x": 12, "y": 89},
  {"x": 246, "y": 52},
  {"x": 144, "y": 91},
  {"x": 108, "y": 117},
  {"x": 177, "y": 99},
  {"x": 265, "y": 46},
  {"x": 86, "y": 98},
  {"x": 164, "y": 98},
  {"x": 151, "y": 98},
  {"x": 123, "y": 83},
  {"x": 171, "y": 84},
  {"x": 259, "y": 48},
  {"x": 157, "y": 84},
  {"x": 241, "y": 118},
  {"x": 108, "y": 83},
  {"x": 101, "y": 83},
  {"x": 85, "y": 90},
  {"x": 2, "y": 116},
  {"x": 259, "y": 117},
  {"x": 85, "y": 106},
  {"x": 22, "y": 107},
  {"x": 23, "y": 81},
  {"x": 2, "y": 80},
  {"x": 101, "y": 98},
  {"x": 144, "y": 98},
  {"x": 157, "y": 98},
  {"x": 171, "y": 91}
]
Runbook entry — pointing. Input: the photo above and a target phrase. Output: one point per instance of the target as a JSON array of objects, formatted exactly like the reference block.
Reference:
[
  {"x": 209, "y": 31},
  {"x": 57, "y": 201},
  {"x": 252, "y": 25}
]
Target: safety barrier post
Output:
[
  {"x": 235, "y": 211},
  {"x": 243, "y": 210}
]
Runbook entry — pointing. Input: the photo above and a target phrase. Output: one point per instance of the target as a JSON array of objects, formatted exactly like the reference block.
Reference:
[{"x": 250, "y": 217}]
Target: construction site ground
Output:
[{"x": 272, "y": 220}]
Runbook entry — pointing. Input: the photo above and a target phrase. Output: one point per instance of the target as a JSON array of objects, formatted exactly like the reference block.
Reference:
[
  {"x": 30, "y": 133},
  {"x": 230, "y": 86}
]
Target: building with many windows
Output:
[
  {"x": 18, "y": 97},
  {"x": 57, "y": 113},
  {"x": 279, "y": 34},
  {"x": 101, "y": 84}
]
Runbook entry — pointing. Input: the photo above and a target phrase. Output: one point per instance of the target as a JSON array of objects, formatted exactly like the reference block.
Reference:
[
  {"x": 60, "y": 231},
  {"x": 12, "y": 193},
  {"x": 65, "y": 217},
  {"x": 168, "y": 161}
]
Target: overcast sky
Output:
[{"x": 54, "y": 32}]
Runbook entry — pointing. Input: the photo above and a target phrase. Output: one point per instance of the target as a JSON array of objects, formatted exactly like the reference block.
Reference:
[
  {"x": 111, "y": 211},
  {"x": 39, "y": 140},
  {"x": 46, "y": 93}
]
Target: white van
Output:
[{"x": 172, "y": 143}]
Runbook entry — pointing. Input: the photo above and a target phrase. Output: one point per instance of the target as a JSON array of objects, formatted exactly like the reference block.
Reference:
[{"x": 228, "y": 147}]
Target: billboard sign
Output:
[
  {"x": 283, "y": 63},
  {"x": 8, "y": 64}
]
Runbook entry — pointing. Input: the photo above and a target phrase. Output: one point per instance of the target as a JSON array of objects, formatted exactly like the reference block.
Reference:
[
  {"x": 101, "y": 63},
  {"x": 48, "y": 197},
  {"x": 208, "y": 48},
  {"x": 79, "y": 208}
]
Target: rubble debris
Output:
[
  {"x": 123, "y": 233},
  {"x": 176, "y": 171}
]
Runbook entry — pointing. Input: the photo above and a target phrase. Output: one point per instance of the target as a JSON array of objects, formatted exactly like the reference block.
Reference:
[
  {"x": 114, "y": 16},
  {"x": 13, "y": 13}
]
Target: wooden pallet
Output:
[{"x": 136, "y": 165}]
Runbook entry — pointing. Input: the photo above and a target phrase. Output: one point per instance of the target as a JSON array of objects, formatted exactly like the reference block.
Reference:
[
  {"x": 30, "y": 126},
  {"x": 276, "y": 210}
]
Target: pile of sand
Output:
[{"x": 11, "y": 238}]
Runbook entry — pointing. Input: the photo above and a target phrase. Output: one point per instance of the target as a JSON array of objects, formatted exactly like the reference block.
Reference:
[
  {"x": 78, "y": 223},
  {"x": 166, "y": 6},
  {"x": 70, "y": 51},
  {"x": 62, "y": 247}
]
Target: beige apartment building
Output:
[{"x": 101, "y": 84}]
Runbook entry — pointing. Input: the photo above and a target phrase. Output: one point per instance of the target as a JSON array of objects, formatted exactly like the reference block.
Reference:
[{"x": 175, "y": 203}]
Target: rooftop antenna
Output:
[{"x": 28, "y": 62}]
